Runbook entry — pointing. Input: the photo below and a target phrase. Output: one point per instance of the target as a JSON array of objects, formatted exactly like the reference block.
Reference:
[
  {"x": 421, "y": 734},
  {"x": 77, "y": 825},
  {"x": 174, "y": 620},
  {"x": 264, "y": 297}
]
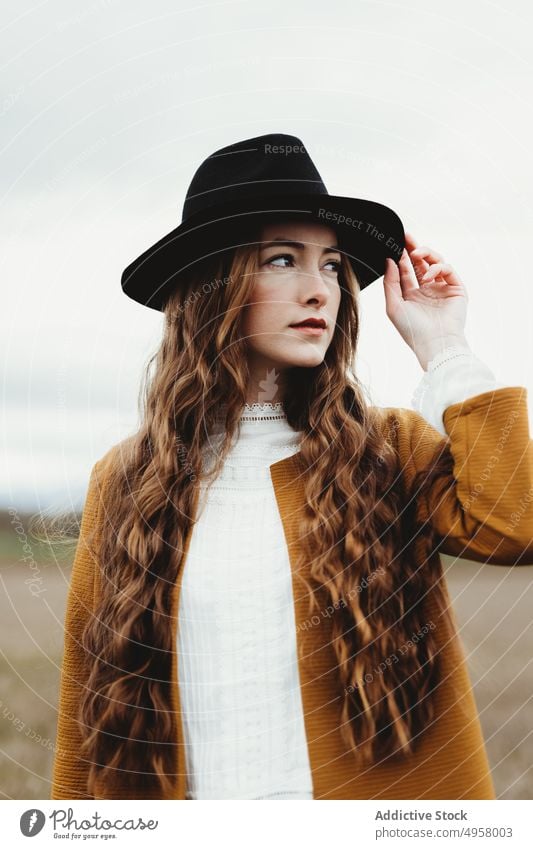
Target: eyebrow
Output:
[{"x": 281, "y": 240}]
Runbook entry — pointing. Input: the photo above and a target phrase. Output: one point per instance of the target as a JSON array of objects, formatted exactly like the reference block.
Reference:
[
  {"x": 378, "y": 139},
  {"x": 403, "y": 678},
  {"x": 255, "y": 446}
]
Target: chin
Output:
[
  {"x": 290, "y": 356},
  {"x": 307, "y": 359}
]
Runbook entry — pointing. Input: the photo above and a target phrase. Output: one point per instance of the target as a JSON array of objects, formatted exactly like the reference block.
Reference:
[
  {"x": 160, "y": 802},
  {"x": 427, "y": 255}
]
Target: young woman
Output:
[{"x": 257, "y": 606}]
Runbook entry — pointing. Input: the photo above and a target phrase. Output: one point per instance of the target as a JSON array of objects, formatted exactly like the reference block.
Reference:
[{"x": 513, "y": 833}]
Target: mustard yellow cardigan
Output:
[{"x": 487, "y": 516}]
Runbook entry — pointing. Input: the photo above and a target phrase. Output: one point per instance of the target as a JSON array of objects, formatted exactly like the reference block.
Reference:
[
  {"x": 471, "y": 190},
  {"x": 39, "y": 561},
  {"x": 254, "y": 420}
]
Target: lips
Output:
[{"x": 310, "y": 322}]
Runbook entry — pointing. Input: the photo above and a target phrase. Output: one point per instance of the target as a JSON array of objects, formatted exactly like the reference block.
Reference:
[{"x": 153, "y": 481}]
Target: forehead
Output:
[{"x": 302, "y": 231}]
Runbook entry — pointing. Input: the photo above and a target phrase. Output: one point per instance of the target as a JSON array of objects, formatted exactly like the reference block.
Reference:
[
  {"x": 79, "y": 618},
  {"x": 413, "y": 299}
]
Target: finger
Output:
[
  {"x": 410, "y": 241},
  {"x": 408, "y": 278},
  {"x": 392, "y": 287},
  {"x": 442, "y": 269},
  {"x": 420, "y": 266},
  {"x": 431, "y": 255}
]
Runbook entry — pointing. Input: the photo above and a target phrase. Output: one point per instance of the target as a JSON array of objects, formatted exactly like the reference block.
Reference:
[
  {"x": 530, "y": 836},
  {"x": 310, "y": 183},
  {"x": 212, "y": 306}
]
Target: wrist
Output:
[{"x": 439, "y": 345}]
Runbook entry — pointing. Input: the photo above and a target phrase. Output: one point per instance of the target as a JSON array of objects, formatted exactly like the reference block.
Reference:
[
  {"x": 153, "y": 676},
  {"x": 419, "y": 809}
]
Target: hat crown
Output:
[
  {"x": 267, "y": 165},
  {"x": 242, "y": 187}
]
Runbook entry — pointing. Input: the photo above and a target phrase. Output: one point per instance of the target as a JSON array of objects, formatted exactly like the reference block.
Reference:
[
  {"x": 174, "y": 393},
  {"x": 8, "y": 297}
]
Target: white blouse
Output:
[
  {"x": 452, "y": 376},
  {"x": 238, "y": 676}
]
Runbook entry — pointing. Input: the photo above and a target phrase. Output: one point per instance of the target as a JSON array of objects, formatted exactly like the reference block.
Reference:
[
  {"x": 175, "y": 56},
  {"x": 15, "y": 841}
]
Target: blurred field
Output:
[{"x": 493, "y": 607}]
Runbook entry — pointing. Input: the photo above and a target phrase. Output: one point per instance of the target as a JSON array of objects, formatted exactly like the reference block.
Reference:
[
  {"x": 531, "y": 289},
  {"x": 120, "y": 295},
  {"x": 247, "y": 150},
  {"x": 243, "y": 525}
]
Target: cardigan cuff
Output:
[{"x": 452, "y": 376}]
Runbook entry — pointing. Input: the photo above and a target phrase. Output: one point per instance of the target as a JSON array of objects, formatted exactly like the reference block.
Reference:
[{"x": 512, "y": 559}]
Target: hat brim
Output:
[{"x": 367, "y": 233}]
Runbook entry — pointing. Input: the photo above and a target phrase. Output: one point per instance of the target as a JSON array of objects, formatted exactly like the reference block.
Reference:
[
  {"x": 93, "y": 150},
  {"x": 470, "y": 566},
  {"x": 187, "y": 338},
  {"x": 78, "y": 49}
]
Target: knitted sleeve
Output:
[
  {"x": 70, "y": 769},
  {"x": 484, "y": 510}
]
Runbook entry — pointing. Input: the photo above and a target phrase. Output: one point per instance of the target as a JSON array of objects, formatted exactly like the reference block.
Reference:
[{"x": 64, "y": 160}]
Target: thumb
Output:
[{"x": 391, "y": 283}]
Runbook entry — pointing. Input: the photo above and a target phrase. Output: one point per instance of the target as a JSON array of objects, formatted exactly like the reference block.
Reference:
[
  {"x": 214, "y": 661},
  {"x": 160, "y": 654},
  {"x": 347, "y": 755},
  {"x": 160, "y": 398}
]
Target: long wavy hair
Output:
[{"x": 358, "y": 531}]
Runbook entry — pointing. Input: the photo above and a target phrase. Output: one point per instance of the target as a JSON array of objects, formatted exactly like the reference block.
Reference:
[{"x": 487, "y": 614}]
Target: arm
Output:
[
  {"x": 483, "y": 507},
  {"x": 69, "y": 770},
  {"x": 486, "y": 510}
]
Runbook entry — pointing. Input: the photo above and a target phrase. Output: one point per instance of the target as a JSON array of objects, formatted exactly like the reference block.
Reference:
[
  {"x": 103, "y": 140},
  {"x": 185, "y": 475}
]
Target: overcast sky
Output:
[{"x": 107, "y": 108}]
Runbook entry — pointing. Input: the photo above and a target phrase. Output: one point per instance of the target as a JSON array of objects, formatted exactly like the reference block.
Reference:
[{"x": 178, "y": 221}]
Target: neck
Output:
[{"x": 266, "y": 381}]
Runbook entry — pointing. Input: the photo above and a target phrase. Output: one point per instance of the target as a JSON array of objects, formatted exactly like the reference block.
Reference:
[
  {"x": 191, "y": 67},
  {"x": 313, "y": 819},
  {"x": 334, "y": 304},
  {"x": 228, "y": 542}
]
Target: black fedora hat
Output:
[{"x": 248, "y": 183}]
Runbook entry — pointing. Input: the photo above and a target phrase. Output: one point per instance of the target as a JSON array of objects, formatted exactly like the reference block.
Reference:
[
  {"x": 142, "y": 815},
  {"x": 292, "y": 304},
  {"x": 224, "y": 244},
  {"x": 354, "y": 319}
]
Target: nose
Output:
[{"x": 314, "y": 287}]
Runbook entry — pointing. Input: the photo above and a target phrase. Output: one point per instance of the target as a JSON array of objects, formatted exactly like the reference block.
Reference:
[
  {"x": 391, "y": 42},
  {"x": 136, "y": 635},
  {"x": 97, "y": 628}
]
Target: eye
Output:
[{"x": 273, "y": 260}]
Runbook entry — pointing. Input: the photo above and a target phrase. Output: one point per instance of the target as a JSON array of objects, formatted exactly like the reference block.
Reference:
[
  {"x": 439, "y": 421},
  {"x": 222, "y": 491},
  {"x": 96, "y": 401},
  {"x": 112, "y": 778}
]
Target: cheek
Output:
[
  {"x": 266, "y": 311},
  {"x": 261, "y": 318}
]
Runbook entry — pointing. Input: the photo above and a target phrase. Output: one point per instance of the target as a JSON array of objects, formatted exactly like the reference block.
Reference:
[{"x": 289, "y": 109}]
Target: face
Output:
[{"x": 297, "y": 279}]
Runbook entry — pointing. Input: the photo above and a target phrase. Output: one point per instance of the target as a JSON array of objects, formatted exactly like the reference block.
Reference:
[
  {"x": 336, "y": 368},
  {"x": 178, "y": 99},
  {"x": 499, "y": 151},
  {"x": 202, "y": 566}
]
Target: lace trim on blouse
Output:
[{"x": 259, "y": 411}]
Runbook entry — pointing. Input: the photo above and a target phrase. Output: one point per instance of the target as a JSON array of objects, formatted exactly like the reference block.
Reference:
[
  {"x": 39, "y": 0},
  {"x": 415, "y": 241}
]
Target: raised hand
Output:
[{"x": 425, "y": 300}]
